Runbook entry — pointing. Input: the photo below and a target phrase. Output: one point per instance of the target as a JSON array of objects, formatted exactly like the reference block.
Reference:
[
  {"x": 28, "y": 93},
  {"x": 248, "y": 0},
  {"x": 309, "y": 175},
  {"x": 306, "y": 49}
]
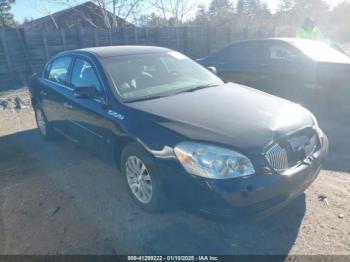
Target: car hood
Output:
[{"x": 230, "y": 114}]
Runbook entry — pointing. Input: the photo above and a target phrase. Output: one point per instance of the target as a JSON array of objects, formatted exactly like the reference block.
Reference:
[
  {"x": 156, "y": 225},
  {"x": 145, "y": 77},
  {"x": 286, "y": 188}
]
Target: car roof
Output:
[
  {"x": 112, "y": 51},
  {"x": 290, "y": 40}
]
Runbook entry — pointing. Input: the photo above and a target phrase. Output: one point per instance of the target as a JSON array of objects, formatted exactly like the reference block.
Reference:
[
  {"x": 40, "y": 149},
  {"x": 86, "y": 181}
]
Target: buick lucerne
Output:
[{"x": 176, "y": 131}]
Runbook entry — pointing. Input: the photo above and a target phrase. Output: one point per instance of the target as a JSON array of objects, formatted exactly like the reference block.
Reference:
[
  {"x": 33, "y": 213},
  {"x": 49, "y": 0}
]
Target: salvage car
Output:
[
  {"x": 305, "y": 71},
  {"x": 176, "y": 131}
]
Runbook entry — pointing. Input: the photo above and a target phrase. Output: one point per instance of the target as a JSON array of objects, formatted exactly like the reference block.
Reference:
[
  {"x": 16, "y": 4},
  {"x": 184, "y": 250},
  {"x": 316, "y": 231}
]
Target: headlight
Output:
[
  {"x": 317, "y": 127},
  {"x": 212, "y": 161}
]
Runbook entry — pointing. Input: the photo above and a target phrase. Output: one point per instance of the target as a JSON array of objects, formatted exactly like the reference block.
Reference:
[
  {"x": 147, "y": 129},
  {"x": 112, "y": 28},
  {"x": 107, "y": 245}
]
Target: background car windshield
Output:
[
  {"x": 150, "y": 75},
  {"x": 321, "y": 52}
]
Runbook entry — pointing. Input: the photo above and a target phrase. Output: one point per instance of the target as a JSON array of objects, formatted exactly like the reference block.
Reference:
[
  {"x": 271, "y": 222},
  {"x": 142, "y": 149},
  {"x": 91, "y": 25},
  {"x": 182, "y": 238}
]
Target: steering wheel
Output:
[{"x": 144, "y": 80}]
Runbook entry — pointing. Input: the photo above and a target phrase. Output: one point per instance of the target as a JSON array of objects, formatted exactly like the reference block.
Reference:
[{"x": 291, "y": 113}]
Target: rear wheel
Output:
[
  {"x": 142, "y": 179},
  {"x": 44, "y": 126}
]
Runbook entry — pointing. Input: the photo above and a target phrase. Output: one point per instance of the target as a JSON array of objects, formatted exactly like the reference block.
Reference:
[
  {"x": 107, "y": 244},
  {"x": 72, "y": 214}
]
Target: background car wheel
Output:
[
  {"x": 44, "y": 126},
  {"x": 142, "y": 179}
]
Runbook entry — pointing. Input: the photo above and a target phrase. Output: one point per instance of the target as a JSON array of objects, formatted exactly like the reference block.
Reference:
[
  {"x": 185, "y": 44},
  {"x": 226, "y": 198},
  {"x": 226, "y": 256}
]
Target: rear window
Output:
[{"x": 59, "y": 70}]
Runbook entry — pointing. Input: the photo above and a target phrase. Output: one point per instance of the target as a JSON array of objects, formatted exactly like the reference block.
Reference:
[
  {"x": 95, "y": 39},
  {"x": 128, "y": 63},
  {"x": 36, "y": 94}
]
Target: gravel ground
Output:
[{"x": 56, "y": 198}]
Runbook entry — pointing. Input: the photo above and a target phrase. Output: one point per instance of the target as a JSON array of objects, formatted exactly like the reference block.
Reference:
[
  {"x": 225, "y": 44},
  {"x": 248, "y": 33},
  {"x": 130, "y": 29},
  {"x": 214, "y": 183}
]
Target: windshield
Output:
[
  {"x": 136, "y": 77},
  {"x": 320, "y": 51}
]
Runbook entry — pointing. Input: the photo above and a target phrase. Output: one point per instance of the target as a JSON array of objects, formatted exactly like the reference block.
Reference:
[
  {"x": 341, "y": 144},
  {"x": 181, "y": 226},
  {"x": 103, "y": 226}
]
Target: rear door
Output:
[
  {"x": 54, "y": 91},
  {"x": 241, "y": 63},
  {"x": 87, "y": 116},
  {"x": 286, "y": 69}
]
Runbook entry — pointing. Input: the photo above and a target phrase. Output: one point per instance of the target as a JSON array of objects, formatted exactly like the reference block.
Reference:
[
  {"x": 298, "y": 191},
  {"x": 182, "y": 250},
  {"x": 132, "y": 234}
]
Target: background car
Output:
[{"x": 305, "y": 71}]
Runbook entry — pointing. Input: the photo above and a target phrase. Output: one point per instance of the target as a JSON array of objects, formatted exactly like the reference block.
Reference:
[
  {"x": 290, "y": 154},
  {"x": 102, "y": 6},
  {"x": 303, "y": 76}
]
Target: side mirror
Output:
[
  {"x": 85, "y": 92},
  {"x": 212, "y": 69}
]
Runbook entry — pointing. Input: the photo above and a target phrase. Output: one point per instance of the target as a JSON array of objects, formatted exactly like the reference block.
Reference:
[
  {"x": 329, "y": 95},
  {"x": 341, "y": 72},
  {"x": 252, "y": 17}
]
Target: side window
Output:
[
  {"x": 241, "y": 52},
  {"x": 83, "y": 74},
  {"x": 280, "y": 53},
  {"x": 59, "y": 70}
]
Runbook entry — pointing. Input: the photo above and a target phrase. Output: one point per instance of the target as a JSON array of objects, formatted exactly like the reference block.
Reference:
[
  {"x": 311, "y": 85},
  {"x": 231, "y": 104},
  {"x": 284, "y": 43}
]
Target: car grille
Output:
[
  {"x": 292, "y": 150},
  {"x": 277, "y": 157}
]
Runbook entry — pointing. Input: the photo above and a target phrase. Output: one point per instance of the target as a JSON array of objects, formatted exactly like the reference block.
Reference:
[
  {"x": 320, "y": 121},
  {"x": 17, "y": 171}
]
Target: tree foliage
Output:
[
  {"x": 6, "y": 17},
  {"x": 286, "y": 5}
]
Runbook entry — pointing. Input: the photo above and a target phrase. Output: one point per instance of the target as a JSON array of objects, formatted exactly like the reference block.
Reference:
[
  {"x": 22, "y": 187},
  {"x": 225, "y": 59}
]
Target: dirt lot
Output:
[{"x": 56, "y": 198}]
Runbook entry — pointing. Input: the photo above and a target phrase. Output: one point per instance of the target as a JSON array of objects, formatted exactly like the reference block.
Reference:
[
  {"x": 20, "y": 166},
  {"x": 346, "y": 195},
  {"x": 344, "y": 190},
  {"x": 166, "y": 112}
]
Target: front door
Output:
[
  {"x": 87, "y": 117},
  {"x": 287, "y": 72}
]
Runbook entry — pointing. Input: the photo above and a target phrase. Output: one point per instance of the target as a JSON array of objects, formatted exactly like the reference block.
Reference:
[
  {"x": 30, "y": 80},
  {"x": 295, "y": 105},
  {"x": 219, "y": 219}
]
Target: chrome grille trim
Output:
[{"x": 277, "y": 158}]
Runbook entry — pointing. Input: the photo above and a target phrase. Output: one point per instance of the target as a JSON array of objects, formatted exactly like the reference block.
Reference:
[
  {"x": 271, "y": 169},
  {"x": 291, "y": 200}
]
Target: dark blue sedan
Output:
[
  {"x": 176, "y": 131},
  {"x": 307, "y": 72}
]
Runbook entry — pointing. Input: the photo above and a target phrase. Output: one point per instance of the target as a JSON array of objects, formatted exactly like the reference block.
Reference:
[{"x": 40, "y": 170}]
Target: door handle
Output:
[
  {"x": 43, "y": 93},
  {"x": 67, "y": 105}
]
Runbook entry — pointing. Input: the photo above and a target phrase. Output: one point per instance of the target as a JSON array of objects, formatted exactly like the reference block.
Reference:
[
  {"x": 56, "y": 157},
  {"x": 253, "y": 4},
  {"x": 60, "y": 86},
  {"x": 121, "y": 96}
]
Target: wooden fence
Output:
[{"x": 25, "y": 51}]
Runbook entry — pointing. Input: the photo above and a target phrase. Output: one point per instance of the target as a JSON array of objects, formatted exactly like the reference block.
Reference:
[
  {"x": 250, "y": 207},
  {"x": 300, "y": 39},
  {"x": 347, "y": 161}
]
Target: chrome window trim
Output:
[{"x": 103, "y": 99}]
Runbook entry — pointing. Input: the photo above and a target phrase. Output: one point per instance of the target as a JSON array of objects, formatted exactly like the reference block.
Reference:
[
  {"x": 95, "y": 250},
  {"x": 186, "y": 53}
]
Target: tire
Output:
[
  {"x": 341, "y": 106},
  {"x": 44, "y": 126},
  {"x": 142, "y": 178}
]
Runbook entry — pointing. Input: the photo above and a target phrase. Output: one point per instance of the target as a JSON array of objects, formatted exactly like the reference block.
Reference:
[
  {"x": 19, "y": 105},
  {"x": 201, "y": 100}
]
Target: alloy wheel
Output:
[
  {"x": 139, "y": 179},
  {"x": 40, "y": 119}
]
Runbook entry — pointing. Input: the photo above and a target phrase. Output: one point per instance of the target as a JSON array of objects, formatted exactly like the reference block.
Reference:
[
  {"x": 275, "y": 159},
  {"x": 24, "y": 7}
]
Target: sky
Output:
[{"x": 38, "y": 8}]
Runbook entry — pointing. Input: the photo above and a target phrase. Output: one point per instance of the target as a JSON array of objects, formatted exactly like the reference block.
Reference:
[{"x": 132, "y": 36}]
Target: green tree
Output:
[
  {"x": 6, "y": 17},
  {"x": 254, "y": 7},
  {"x": 265, "y": 9},
  {"x": 286, "y": 5},
  {"x": 257, "y": 8},
  {"x": 216, "y": 7},
  {"x": 220, "y": 12},
  {"x": 202, "y": 16},
  {"x": 242, "y": 7}
]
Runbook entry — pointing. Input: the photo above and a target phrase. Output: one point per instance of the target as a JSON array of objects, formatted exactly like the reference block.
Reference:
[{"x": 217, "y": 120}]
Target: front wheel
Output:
[
  {"x": 142, "y": 179},
  {"x": 44, "y": 126}
]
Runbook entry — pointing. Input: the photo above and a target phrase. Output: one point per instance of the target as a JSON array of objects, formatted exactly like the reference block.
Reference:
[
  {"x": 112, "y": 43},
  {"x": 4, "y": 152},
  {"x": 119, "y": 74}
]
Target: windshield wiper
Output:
[
  {"x": 198, "y": 88},
  {"x": 145, "y": 98},
  {"x": 174, "y": 93}
]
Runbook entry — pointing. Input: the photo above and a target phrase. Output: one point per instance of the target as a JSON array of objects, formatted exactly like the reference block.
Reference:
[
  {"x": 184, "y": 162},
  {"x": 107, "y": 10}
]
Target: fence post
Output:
[
  {"x": 167, "y": 37},
  {"x": 177, "y": 39},
  {"x": 63, "y": 38},
  {"x": 157, "y": 32},
  {"x": 80, "y": 39},
  {"x": 229, "y": 34},
  {"x": 110, "y": 36},
  {"x": 96, "y": 37},
  {"x": 209, "y": 40},
  {"x": 44, "y": 38},
  {"x": 245, "y": 32},
  {"x": 147, "y": 35},
  {"x": 274, "y": 31},
  {"x": 21, "y": 37},
  {"x": 125, "y": 35},
  {"x": 136, "y": 37},
  {"x": 7, "y": 57},
  {"x": 186, "y": 45}
]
